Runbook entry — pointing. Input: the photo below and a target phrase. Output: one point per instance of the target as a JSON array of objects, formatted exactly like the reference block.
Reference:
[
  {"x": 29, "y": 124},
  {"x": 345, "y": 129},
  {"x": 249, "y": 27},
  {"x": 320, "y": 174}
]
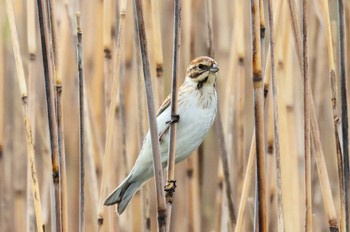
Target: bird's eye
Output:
[{"x": 202, "y": 67}]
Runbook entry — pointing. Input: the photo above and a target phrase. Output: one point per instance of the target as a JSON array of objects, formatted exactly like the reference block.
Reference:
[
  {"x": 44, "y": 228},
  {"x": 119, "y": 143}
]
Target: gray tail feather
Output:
[{"x": 122, "y": 194}]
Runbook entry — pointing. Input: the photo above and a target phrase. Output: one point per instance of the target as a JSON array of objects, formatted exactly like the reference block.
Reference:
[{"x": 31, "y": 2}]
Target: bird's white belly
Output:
[{"x": 194, "y": 124}]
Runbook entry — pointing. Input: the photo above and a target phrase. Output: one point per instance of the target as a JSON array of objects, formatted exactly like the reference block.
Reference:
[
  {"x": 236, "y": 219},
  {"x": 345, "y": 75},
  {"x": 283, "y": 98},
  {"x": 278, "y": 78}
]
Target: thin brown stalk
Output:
[
  {"x": 314, "y": 126},
  {"x": 158, "y": 50},
  {"x": 145, "y": 191},
  {"x": 81, "y": 124},
  {"x": 225, "y": 165},
  {"x": 344, "y": 109},
  {"x": 59, "y": 111},
  {"x": 259, "y": 116},
  {"x": 111, "y": 112},
  {"x": 50, "y": 102},
  {"x": 171, "y": 182},
  {"x": 31, "y": 41},
  {"x": 219, "y": 198},
  {"x": 336, "y": 121},
  {"x": 323, "y": 175},
  {"x": 157, "y": 168},
  {"x": 240, "y": 100},
  {"x": 262, "y": 21},
  {"x": 275, "y": 120},
  {"x": 209, "y": 14},
  {"x": 307, "y": 129},
  {"x": 219, "y": 125},
  {"x": 90, "y": 162},
  {"x": 107, "y": 48},
  {"x": 26, "y": 117},
  {"x": 246, "y": 185}
]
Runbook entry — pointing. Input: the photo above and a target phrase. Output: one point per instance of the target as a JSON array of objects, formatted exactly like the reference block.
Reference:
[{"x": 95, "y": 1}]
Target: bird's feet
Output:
[
  {"x": 174, "y": 119},
  {"x": 170, "y": 186},
  {"x": 170, "y": 189}
]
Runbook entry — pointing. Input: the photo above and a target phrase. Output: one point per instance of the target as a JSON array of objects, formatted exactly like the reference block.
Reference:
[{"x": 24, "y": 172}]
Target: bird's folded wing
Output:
[{"x": 165, "y": 105}]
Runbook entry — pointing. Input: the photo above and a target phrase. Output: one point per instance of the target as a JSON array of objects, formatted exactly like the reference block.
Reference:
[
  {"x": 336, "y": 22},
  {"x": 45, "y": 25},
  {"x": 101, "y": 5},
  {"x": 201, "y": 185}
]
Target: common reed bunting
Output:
[{"x": 197, "y": 105}]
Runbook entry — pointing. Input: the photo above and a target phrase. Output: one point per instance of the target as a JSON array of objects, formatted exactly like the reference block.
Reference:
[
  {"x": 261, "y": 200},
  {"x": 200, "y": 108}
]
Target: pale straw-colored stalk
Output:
[{"x": 26, "y": 117}]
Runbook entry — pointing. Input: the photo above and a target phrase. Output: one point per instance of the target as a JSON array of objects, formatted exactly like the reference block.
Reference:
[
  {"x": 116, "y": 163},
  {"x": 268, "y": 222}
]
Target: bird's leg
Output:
[
  {"x": 169, "y": 188},
  {"x": 174, "y": 119}
]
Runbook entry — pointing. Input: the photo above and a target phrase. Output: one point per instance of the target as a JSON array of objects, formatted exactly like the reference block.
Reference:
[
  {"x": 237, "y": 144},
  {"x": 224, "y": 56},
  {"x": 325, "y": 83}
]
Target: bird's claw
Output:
[
  {"x": 170, "y": 186},
  {"x": 174, "y": 119}
]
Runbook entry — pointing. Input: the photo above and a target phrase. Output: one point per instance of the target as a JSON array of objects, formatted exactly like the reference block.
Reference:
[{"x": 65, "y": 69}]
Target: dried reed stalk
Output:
[
  {"x": 107, "y": 48},
  {"x": 240, "y": 100},
  {"x": 219, "y": 199},
  {"x": 111, "y": 112},
  {"x": 158, "y": 50},
  {"x": 275, "y": 120},
  {"x": 81, "y": 124},
  {"x": 145, "y": 192},
  {"x": 225, "y": 165},
  {"x": 157, "y": 168},
  {"x": 329, "y": 204},
  {"x": 209, "y": 14},
  {"x": 262, "y": 22},
  {"x": 307, "y": 129},
  {"x": 246, "y": 185},
  {"x": 259, "y": 116},
  {"x": 50, "y": 101},
  {"x": 344, "y": 109},
  {"x": 218, "y": 123},
  {"x": 59, "y": 111},
  {"x": 171, "y": 182},
  {"x": 336, "y": 122},
  {"x": 31, "y": 41},
  {"x": 26, "y": 117},
  {"x": 323, "y": 175}
]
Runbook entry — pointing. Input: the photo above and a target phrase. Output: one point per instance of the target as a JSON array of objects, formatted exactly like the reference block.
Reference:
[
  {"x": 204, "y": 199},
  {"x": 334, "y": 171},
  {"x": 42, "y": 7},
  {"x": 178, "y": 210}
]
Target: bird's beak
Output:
[{"x": 214, "y": 68}]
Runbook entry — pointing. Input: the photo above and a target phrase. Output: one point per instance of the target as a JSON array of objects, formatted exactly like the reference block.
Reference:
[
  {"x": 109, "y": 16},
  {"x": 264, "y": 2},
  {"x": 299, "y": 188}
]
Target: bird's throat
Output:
[{"x": 202, "y": 82}]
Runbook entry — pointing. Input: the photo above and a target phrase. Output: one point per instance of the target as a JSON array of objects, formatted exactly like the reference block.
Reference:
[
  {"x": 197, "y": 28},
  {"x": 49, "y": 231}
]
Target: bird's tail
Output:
[{"x": 123, "y": 194}]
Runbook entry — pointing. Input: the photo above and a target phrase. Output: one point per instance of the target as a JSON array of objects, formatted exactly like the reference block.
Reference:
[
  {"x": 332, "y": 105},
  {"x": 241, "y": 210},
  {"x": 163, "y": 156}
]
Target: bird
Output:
[{"x": 197, "y": 107}]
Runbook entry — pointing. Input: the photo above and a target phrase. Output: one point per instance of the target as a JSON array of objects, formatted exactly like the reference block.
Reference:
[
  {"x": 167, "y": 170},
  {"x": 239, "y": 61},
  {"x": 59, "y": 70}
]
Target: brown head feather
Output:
[{"x": 199, "y": 65}]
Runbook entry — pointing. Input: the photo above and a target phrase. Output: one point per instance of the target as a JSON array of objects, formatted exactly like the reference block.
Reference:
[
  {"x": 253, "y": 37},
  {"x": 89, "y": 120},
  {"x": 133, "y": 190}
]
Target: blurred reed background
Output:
[{"x": 113, "y": 137}]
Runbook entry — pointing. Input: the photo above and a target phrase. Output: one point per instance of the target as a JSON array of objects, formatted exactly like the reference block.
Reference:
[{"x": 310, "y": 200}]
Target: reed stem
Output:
[
  {"x": 275, "y": 120},
  {"x": 81, "y": 124},
  {"x": 50, "y": 103},
  {"x": 259, "y": 116},
  {"x": 171, "y": 182},
  {"x": 307, "y": 133},
  {"x": 157, "y": 167},
  {"x": 26, "y": 117},
  {"x": 344, "y": 109}
]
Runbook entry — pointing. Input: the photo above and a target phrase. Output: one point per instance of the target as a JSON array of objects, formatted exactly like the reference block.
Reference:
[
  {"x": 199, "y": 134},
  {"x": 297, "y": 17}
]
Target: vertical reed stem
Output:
[
  {"x": 81, "y": 124},
  {"x": 344, "y": 109},
  {"x": 259, "y": 115},
  {"x": 157, "y": 168},
  {"x": 171, "y": 182},
  {"x": 276, "y": 121},
  {"x": 59, "y": 111},
  {"x": 50, "y": 101},
  {"x": 307, "y": 134},
  {"x": 111, "y": 111},
  {"x": 26, "y": 117}
]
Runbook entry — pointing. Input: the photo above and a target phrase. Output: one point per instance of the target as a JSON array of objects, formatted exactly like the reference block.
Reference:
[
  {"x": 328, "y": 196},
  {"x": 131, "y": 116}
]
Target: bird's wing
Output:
[
  {"x": 161, "y": 129},
  {"x": 165, "y": 105}
]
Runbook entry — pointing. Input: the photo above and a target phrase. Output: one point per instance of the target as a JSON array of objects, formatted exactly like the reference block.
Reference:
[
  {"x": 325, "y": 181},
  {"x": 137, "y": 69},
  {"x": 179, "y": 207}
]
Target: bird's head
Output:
[{"x": 202, "y": 70}]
